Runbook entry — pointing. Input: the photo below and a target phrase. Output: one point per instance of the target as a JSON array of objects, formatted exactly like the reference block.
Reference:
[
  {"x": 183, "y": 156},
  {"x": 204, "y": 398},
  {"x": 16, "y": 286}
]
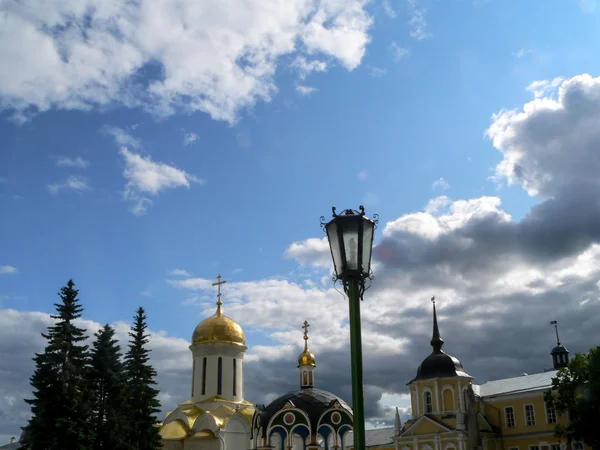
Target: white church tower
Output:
[
  {"x": 218, "y": 347},
  {"x": 216, "y": 417}
]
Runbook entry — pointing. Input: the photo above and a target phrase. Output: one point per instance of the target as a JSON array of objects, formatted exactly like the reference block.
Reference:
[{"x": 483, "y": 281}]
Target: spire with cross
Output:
[
  {"x": 436, "y": 339},
  {"x": 218, "y": 284},
  {"x": 305, "y": 326}
]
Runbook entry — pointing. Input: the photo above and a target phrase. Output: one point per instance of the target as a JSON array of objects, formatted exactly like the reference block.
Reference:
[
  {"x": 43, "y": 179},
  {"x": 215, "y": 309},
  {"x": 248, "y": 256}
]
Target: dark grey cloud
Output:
[{"x": 554, "y": 229}]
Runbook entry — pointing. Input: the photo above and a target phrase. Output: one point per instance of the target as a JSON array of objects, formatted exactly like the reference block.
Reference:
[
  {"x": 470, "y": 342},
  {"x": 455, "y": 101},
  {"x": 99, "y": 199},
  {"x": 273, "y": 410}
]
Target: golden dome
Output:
[
  {"x": 219, "y": 328},
  {"x": 306, "y": 358}
]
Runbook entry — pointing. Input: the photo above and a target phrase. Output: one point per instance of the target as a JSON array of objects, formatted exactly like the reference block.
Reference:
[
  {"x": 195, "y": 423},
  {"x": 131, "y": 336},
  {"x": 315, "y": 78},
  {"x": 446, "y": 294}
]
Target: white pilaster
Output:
[{"x": 437, "y": 396}]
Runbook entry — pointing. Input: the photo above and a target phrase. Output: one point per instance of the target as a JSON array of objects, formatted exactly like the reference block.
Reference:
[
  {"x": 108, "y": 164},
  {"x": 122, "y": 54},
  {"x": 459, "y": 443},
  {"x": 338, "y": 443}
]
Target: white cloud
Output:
[
  {"x": 399, "y": 53},
  {"x": 6, "y": 270},
  {"x": 121, "y": 137},
  {"x": 363, "y": 175},
  {"x": 376, "y": 72},
  {"x": 190, "y": 138},
  {"x": 549, "y": 146},
  {"x": 311, "y": 251},
  {"x": 437, "y": 204},
  {"x": 522, "y": 52},
  {"x": 440, "y": 184},
  {"x": 305, "y": 90},
  {"x": 73, "y": 183},
  {"x": 388, "y": 8},
  {"x": 146, "y": 177},
  {"x": 81, "y": 55},
  {"x": 417, "y": 22},
  {"x": 306, "y": 67},
  {"x": 542, "y": 87},
  {"x": 145, "y": 293},
  {"x": 180, "y": 273},
  {"x": 77, "y": 162}
]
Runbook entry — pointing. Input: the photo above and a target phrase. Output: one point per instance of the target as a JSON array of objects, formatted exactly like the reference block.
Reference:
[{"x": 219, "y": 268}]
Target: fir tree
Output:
[
  {"x": 107, "y": 377},
  {"x": 142, "y": 402},
  {"x": 61, "y": 396}
]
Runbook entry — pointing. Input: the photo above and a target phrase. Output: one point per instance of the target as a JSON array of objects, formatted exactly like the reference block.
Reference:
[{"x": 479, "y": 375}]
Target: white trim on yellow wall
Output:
[
  {"x": 426, "y": 390},
  {"x": 525, "y": 413},
  {"x": 546, "y": 409},
  {"x": 506, "y": 417}
]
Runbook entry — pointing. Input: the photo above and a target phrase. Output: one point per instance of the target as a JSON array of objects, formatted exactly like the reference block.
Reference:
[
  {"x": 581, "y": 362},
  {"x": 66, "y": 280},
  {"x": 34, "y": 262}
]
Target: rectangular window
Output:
[
  {"x": 534, "y": 447},
  {"x": 234, "y": 376},
  {"x": 513, "y": 448},
  {"x": 529, "y": 416},
  {"x": 193, "y": 376},
  {"x": 509, "y": 415},
  {"x": 550, "y": 414},
  {"x": 204, "y": 376},
  {"x": 220, "y": 376},
  {"x": 428, "y": 403}
]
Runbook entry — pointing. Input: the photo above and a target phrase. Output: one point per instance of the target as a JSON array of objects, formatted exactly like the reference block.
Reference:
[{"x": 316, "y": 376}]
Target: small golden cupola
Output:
[
  {"x": 219, "y": 327},
  {"x": 306, "y": 362}
]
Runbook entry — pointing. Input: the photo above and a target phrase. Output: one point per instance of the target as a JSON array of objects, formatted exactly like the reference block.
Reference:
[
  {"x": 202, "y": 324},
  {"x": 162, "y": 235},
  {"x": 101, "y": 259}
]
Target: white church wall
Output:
[
  {"x": 237, "y": 433},
  {"x": 212, "y": 352}
]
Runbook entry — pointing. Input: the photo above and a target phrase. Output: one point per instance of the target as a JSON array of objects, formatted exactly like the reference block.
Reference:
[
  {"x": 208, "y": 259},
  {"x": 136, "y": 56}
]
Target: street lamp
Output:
[{"x": 350, "y": 236}]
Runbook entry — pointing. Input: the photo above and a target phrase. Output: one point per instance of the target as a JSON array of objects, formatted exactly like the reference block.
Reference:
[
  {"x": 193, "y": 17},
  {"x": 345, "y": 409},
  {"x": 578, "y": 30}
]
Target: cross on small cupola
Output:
[{"x": 305, "y": 327}]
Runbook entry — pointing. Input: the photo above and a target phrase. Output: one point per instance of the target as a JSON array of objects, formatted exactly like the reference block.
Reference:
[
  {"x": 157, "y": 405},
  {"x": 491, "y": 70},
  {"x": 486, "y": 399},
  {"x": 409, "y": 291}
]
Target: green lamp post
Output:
[{"x": 350, "y": 236}]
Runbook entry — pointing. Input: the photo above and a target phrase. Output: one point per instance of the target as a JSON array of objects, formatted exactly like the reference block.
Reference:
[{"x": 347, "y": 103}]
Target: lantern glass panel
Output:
[
  {"x": 368, "y": 228},
  {"x": 334, "y": 244},
  {"x": 350, "y": 229}
]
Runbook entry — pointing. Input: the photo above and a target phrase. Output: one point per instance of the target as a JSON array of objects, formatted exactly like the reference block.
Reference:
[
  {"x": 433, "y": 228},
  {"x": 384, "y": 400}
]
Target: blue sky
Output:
[{"x": 412, "y": 110}]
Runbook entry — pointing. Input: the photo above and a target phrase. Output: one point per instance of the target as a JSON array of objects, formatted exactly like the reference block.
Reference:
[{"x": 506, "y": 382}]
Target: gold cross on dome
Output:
[
  {"x": 305, "y": 326},
  {"x": 218, "y": 284}
]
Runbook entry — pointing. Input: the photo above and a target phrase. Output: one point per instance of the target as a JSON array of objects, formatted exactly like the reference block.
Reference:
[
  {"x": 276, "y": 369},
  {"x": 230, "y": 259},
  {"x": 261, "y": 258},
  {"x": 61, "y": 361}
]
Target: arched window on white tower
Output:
[
  {"x": 220, "y": 376},
  {"x": 204, "y": 376},
  {"x": 234, "y": 376},
  {"x": 427, "y": 402}
]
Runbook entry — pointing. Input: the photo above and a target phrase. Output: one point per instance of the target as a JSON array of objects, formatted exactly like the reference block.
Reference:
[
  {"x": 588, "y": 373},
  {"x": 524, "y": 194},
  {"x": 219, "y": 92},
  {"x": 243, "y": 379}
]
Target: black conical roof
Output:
[{"x": 439, "y": 363}]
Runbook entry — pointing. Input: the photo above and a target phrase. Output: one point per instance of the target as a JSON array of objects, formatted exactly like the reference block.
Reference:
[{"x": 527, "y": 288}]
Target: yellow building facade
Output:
[{"x": 451, "y": 412}]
